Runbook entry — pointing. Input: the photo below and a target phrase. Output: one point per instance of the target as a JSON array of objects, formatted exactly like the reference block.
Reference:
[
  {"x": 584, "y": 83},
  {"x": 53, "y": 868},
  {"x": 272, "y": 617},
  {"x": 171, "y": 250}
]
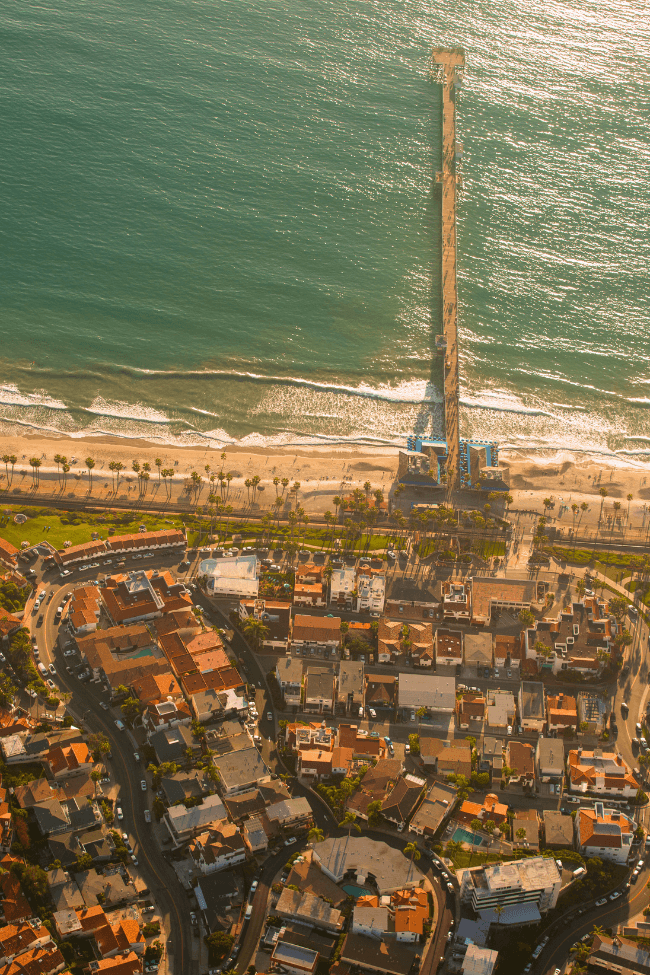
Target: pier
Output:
[{"x": 450, "y": 64}]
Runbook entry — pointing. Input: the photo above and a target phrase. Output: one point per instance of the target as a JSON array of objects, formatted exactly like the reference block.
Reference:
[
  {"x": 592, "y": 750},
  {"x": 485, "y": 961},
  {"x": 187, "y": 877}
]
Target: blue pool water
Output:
[
  {"x": 145, "y": 652},
  {"x": 466, "y": 836},
  {"x": 354, "y": 891}
]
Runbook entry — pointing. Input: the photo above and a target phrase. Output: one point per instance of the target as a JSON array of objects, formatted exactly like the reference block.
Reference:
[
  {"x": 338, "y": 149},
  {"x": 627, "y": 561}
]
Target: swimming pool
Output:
[
  {"x": 354, "y": 891},
  {"x": 466, "y": 836}
]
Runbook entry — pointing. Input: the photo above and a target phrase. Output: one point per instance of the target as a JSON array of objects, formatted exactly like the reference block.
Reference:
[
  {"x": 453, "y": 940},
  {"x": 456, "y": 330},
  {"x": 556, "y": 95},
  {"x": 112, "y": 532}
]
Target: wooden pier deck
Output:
[{"x": 450, "y": 68}]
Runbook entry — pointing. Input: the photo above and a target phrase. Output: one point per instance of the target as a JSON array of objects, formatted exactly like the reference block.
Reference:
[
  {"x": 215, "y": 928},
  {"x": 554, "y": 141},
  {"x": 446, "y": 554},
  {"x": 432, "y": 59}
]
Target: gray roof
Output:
[
  {"x": 240, "y": 768},
  {"x": 423, "y": 690},
  {"x": 559, "y": 829},
  {"x": 531, "y": 696},
  {"x": 64, "y": 847},
  {"x": 390, "y": 956},
  {"x": 478, "y": 648},
  {"x": 550, "y": 753},
  {"x": 183, "y": 819},
  {"x": 376, "y": 917},
  {"x": 170, "y": 745},
  {"x": 289, "y": 809},
  {"x": 289, "y": 670},
  {"x": 319, "y": 683},
  {"x": 183, "y": 785},
  {"x": 51, "y": 817},
  {"x": 390, "y": 868},
  {"x": 351, "y": 678}
]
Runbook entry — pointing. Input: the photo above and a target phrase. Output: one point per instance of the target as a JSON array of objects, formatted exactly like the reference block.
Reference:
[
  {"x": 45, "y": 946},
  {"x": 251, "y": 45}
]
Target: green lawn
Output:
[
  {"x": 75, "y": 526},
  {"x": 633, "y": 585}
]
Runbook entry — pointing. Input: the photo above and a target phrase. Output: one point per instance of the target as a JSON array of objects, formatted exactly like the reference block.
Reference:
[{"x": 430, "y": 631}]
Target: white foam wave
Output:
[
  {"x": 127, "y": 411},
  {"x": 10, "y": 395}
]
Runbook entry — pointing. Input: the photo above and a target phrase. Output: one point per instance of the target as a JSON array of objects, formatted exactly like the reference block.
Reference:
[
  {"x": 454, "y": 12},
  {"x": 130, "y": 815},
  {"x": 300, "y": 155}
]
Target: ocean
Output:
[{"x": 219, "y": 223}]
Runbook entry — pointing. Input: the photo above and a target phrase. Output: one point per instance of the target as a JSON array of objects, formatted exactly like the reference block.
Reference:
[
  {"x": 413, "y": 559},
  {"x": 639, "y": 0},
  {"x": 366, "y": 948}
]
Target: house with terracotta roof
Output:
[
  {"x": 449, "y": 649},
  {"x": 276, "y": 617},
  {"x": 381, "y": 691},
  {"x": 36, "y": 961},
  {"x": 603, "y": 832},
  {"x": 127, "y": 963},
  {"x": 14, "y": 906},
  {"x": 389, "y": 635},
  {"x": 310, "y": 588},
  {"x": 314, "y": 763},
  {"x": 498, "y": 593},
  {"x": 520, "y": 757},
  {"x": 83, "y": 610},
  {"x": 64, "y": 760},
  {"x": 316, "y": 635},
  {"x": 117, "y": 654},
  {"x": 442, "y": 756},
  {"x": 8, "y": 552},
  {"x": 219, "y": 848},
  {"x": 378, "y": 782},
  {"x": 561, "y": 712},
  {"x": 411, "y": 912},
  {"x": 470, "y": 712},
  {"x": 601, "y": 772},
  {"x": 9, "y": 624},
  {"x": 154, "y": 688},
  {"x": 139, "y": 596},
  {"x": 509, "y": 644},
  {"x": 17, "y": 938},
  {"x": 421, "y": 639},
  {"x": 489, "y": 809}
]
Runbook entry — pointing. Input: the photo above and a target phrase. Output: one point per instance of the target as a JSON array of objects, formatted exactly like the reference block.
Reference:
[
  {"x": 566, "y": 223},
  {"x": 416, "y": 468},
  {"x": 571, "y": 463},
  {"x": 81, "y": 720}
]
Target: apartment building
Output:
[{"x": 535, "y": 883}]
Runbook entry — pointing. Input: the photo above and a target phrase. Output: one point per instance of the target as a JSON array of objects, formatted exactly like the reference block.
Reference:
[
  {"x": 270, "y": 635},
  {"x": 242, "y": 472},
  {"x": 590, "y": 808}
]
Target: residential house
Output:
[
  {"x": 174, "y": 744},
  {"x": 558, "y": 830},
  {"x": 293, "y": 813},
  {"x": 122, "y": 654},
  {"x": 604, "y": 833},
  {"x": 238, "y": 577},
  {"x": 449, "y": 649},
  {"x": 372, "y": 922},
  {"x": 62, "y": 761},
  {"x": 479, "y": 960},
  {"x": 491, "y": 753},
  {"x": 8, "y": 553},
  {"x": 254, "y": 834},
  {"x": 83, "y": 610},
  {"x": 127, "y": 963},
  {"x": 617, "y": 954},
  {"x": 182, "y": 823},
  {"x": 436, "y": 694},
  {"x": 470, "y": 712},
  {"x": 308, "y": 909},
  {"x": 220, "y": 847},
  {"x": 289, "y": 674},
  {"x": 549, "y": 759},
  {"x": 350, "y": 687},
  {"x": 456, "y": 601},
  {"x": 520, "y": 757},
  {"x": 294, "y": 959},
  {"x": 371, "y": 589},
  {"x": 318, "y": 636},
  {"x": 310, "y": 587},
  {"x": 241, "y": 770},
  {"x": 421, "y": 639},
  {"x": 17, "y": 938},
  {"x": 139, "y": 596},
  {"x": 592, "y": 711},
  {"x": 509, "y": 647},
  {"x": 378, "y": 782},
  {"x": 320, "y": 686},
  {"x": 477, "y": 654},
  {"x": 435, "y": 808},
  {"x": 9, "y": 624},
  {"x": 343, "y": 587},
  {"x": 490, "y": 593},
  {"x": 185, "y": 785},
  {"x": 444, "y": 757},
  {"x": 389, "y": 641},
  {"x": 490, "y": 809},
  {"x": 601, "y": 772},
  {"x": 561, "y": 712},
  {"x": 525, "y": 830},
  {"x": 381, "y": 692},
  {"x": 579, "y": 638},
  {"x": 276, "y": 617},
  {"x": 372, "y": 955},
  {"x": 532, "y": 706},
  {"x": 402, "y": 801},
  {"x": 501, "y": 711},
  {"x": 411, "y": 909}
]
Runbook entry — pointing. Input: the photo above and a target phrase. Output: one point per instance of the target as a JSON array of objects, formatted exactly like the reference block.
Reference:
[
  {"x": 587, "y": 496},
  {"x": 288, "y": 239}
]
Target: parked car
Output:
[
  {"x": 143, "y": 785},
  {"x": 103, "y": 705},
  {"x": 52, "y": 669}
]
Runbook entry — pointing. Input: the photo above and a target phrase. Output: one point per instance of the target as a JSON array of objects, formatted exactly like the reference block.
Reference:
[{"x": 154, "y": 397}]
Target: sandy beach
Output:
[{"x": 323, "y": 472}]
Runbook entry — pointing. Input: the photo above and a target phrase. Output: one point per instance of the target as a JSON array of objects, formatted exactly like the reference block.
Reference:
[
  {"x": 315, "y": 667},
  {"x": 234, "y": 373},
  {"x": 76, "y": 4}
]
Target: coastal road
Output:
[{"x": 158, "y": 874}]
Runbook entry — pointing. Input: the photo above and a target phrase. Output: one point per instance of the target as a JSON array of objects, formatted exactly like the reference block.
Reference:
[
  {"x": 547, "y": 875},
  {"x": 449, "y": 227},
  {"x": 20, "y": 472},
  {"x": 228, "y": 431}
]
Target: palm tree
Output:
[
  {"x": 66, "y": 470},
  {"x": 119, "y": 467},
  {"x": 420, "y": 713},
  {"x": 603, "y": 494},
  {"x": 158, "y": 463},
  {"x": 247, "y": 485},
  {"x": 90, "y": 463},
  {"x": 285, "y": 484},
  {"x": 315, "y": 835},
  {"x": 256, "y": 630},
  {"x": 412, "y": 850},
  {"x": 256, "y": 480},
  {"x": 580, "y": 588},
  {"x": 629, "y": 498},
  {"x": 135, "y": 466},
  {"x": 279, "y": 504},
  {"x": 35, "y": 463},
  {"x": 350, "y": 823},
  {"x": 5, "y": 460},
  {"x": 367, "y": 488},
  {"x": 13, "y": 460},
  {"x": 521, "y": 834},
  {"x": 498, "y": 910},
  {"x": 146, "y": 467},
  {"x": 95, "y": 776}
]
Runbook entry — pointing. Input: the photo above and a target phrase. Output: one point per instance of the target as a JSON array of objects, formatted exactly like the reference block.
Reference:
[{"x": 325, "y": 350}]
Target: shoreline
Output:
[{"x": 323, "y": 471}]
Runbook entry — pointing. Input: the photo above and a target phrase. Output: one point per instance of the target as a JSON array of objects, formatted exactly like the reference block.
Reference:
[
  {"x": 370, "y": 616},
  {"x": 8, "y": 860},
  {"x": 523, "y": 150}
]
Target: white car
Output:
[
  {"x": 103, "y": 705},
  {"x": 143, "y": 785},
  {"x": 372, "y": 712},
  {"x": 119, "y": 813},
  {"x": 52, "y": 669}
]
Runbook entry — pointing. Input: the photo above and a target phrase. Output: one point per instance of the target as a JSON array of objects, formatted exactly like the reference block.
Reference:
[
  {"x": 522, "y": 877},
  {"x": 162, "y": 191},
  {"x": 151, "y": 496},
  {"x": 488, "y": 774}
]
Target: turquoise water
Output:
[
  {"x": 219, "y": 224},
  {"x": 354, "y": 891},
  {"x": 466, "y": 836}
]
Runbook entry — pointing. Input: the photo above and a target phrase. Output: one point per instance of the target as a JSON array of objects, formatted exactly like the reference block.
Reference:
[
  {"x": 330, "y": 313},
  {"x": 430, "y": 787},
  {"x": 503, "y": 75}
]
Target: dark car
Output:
[{"x": 486, "y": 672}]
